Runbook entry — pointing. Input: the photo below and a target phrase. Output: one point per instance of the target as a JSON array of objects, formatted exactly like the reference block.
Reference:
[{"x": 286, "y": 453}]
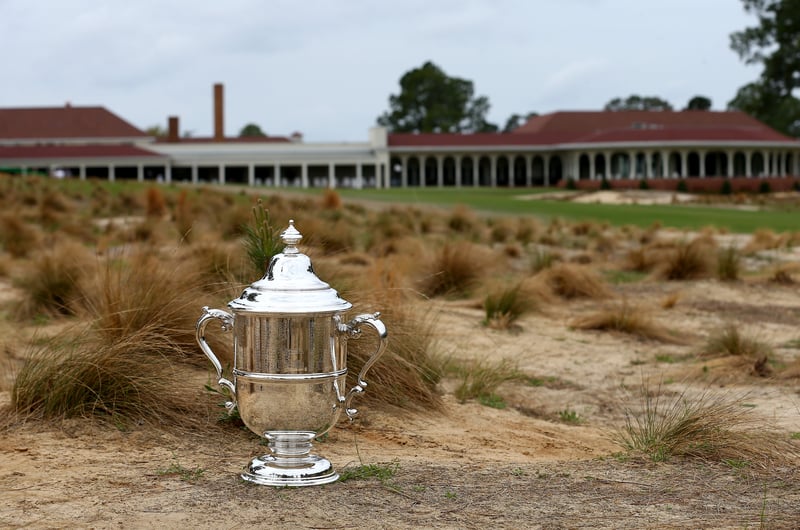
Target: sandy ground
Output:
[{"x": 470, "y": 466}]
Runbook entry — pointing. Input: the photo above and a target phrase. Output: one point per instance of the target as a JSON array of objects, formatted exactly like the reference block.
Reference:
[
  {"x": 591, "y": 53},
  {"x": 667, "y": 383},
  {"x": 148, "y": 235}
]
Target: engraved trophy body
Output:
[{"x": 290, "y": 364}]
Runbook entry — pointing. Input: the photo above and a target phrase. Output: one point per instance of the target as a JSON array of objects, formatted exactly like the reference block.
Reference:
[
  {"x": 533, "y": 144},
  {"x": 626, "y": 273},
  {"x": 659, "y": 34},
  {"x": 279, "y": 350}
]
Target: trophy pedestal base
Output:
[{"x": 310, "y": 470}]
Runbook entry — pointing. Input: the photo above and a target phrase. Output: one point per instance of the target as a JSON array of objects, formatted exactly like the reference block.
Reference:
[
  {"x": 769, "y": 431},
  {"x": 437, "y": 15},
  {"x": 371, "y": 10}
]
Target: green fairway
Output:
[{"x": 511, "y": 201}]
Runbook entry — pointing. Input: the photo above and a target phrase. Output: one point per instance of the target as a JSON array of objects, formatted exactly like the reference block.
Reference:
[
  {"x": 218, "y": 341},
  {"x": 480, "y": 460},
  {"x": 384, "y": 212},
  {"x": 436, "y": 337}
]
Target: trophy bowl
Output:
[{"x": 290, "y": 364}]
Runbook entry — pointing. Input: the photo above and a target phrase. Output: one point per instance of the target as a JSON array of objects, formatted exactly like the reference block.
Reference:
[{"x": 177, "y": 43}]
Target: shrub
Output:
[
  {"x": 571, "y": 184},
  {"x": 605, "y": 184},
  {"x": 729, "y": 341},
  {"x": 726, "y": 188},
  {"x": 764, "y": 187},
  {"x": 681, "y": 186},
  {"x": 643, "y": 185}
]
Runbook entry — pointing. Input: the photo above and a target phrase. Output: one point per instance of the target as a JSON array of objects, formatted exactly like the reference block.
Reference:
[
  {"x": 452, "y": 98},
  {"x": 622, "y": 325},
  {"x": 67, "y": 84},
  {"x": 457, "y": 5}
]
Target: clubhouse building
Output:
[{"x": 92, "y": 142}]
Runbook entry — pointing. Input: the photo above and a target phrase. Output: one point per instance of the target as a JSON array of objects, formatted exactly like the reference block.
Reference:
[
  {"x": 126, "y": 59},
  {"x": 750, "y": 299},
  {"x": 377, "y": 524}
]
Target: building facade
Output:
[{"x": 92, "y": 142}]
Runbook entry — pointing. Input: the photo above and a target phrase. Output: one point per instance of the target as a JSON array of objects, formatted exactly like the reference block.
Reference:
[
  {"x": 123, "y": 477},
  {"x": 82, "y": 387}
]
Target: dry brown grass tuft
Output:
[
  {"x": 730, "y": 341},
  {"x": 156, "y": 206},
  {"x": 143, "y": 293},
  {"x": 670, "y": 300},
  {"x": 569, "y": 281},
  {"x": 708, "y": 427},
  {"x": 463, "y": 221},
  {"x": 331, "y": 200},
  {"x": 630, "y": 319},
  {"x": 407, "y": 375},
  {"x": 762, "y": 239},
  {"x": 128, "y": 381},
  {"x": 690, "y": 260},
  {"x": 18, "y": 237},
  {"x": 52, "y": 282},
  {"x": 454, "y": 270}
]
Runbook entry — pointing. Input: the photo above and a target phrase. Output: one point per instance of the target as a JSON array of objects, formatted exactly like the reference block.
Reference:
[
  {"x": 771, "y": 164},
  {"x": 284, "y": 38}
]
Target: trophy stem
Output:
[{"x": 290, "y": 463}]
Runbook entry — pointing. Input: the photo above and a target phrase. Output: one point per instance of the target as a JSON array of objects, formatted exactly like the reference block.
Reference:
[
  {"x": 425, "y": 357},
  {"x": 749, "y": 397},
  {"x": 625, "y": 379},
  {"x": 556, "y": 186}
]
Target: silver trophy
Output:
[{"x": 290, "y": 364}]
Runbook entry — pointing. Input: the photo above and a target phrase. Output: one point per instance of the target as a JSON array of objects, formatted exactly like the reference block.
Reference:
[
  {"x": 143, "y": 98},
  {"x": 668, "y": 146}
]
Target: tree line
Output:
[{"x": 432, "y": 101}]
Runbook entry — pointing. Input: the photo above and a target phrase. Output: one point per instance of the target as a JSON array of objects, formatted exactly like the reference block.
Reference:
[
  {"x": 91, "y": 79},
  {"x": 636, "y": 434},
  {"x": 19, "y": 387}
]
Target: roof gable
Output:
[{"x": 64, "y": 123}]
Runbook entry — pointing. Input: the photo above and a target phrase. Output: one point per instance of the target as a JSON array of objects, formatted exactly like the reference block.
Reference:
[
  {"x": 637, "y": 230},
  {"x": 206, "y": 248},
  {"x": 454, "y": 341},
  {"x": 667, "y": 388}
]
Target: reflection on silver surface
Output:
[{"x": 290, "y": 364}]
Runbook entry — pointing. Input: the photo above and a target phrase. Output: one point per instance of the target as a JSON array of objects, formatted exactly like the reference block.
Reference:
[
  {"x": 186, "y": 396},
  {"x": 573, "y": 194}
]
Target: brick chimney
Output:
[
  {"x": 173, "y": 129},
  {"x": 219, "y": 112}
]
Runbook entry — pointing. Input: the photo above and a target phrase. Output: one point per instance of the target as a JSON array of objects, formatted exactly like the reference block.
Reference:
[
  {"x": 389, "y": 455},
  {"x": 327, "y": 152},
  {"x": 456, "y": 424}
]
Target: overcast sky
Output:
[{"x": 326, "y": 68}]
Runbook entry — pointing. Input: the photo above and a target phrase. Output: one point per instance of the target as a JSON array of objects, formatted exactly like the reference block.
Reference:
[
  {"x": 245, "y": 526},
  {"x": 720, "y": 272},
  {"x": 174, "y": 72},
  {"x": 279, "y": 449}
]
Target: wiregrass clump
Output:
[
  {"x": 480, "y": 379},
  {"x": 627, "y": 318},
  {"x": 711, "y": 427},
  {"x": 147, "y": 292},
  {"x": 128, "y": 381},
  {"x": 730, "y": 341},
  {"x": 407, "y": 374},
  {"x": 53, "y": 280},
  {"x": 454, "y": 270},
  {"x": 689, "y": 260},
  {"x": 506, "y": 304},
  {"x": 571, "y": 281}
]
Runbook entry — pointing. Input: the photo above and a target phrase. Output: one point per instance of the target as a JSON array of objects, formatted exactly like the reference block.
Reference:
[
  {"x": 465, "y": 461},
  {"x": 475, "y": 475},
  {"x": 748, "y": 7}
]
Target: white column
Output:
[
  {"x": 276, "y": 175},
  {"x": 221, "y": 174},
  {"x": 684, "y": 164},
  {"x": 168, "y": 174},
  {"x": 403, "y": 171},
  {"x": 528, "y": 172},
  {"x": 331, "y": 176},
  {"x": 766, "y": 170},
  {"x": 112, "y": 173},
  {"x": 195, "y": 176},
  {"x": 493, "y": 171},
  {"x": 140, "y": 173},
  {"x": 251, "y": 175},
  {"x": 631, "y": 165},
  {"x": 360, "y": 176},
  {"x": 81, "y": 171},
  {"x": 476, "y": 171},
  {"x": 457, "y": 160},
  {"x": 748, "y": 168},
  {"x": 546, "y": 168},
  {"x": 665, "y": 172},
  {"x": 304, "y": 175},
  {"x": 648, "y": 164},
  {"x": 731, "y": 159},
  {"x": 439, "y": 171},
  {"x": 592, "y": 168}
]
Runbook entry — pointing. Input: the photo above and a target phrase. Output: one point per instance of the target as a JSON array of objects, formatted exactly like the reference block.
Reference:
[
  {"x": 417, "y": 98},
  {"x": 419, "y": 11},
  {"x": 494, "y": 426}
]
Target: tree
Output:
[
  {"x": 775, "y": 44},
  {"x": 431, "y": 101},
  {"x": 636, "y": 102},
  {"x": 156, "y": 131},
  {"x": 698, "y": 103},
  {"x": 517, "y": 120},
  {"x": 251, "y": 130}
]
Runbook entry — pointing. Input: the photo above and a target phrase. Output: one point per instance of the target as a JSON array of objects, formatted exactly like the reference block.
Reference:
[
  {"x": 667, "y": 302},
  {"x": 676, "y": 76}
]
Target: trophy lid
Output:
[{"x": 289, "y": 285}]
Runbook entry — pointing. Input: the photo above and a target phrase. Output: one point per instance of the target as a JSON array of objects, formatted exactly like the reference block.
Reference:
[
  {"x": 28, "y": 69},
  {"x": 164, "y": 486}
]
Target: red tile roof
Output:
[
  {"x": 235, "y": 139},
  {"x": 26, "y": 152},
  {"x": 64, "y": 123},
  {"x": 609, "y": 127}
]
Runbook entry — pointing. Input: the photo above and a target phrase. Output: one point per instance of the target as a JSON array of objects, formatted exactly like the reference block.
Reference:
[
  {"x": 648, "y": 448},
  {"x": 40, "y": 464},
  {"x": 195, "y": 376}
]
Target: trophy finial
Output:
[{"x": 291, "y": 237}]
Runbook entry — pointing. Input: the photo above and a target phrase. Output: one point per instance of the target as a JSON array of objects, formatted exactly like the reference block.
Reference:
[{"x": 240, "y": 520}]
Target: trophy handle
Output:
[
  {"x": 227, "y": 324},
  {"x": 353, "y": 330}
]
